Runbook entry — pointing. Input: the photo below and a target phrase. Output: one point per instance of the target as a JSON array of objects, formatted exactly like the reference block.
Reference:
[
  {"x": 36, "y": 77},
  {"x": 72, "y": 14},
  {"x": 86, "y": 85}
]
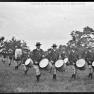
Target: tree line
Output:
[{"x": 80, "y": 41}]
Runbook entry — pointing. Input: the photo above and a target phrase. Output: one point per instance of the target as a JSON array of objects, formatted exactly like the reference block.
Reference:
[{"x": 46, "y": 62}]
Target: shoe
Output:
[
  {"x": 54, "y": 76},
  {"x": 25, "y": 72},
  {"x": 73, "y": 76},
  {"x": 90, "y": 75},
  {"x": 9, "y": 64},
  {"x": 16, "y": 68},
  {"x": 37, "y": 78}
]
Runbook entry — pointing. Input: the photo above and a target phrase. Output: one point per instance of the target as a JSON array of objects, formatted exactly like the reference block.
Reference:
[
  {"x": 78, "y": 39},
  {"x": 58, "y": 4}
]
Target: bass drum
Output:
[
  {"x": 81, "y": 64},
  {"x": 45, "y": 64},
  {"x": 60, "y": 66}
]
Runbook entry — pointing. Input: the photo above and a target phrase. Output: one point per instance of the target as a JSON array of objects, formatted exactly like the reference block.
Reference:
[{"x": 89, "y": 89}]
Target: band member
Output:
[
  {"x": 37, "y": 55},
  {"x": 73, "y": 57},
  {"x": 74, "y": 71},
  {"x": 2, "y": 48},
  {"x": 4, "y": 57},
  {"x": 24, "y": 58},
  {"x": 89, "y": 59},
  {"x": 10, "y": 54},
  {"x": 18, "y": 56},
  {"x": 54, "y": 56}
]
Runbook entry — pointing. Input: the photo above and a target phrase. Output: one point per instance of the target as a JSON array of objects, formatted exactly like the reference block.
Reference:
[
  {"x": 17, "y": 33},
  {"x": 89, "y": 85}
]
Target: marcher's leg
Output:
[
  {"x": 74, "y": 72},
  {"x": 50, "y": 66},
  {"x": 90, "y": 73},
  {"x": 54, "y": 72},
  {"x": 38, "y": 74},
  {"x": 10, "y": 62},
  {"x": 27, "y": 68},
  {"x": 16, "y": 67}
]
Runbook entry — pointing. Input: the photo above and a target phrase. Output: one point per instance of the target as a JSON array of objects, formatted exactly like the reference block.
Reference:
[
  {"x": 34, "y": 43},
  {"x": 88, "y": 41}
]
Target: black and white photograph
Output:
[{"x": 46, "y": 47}]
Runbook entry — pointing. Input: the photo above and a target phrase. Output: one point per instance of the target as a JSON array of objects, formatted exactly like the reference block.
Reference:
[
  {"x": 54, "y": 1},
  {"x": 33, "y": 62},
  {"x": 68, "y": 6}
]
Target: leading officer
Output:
[{"x": 37, "y": 55}]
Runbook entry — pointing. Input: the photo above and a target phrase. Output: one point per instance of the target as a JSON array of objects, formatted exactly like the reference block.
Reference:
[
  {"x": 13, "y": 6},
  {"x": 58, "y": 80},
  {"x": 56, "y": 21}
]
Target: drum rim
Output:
[
  {"x": 44, "y": 63},
  {"x": 78, "y": 61},
  {"x": 61, "y": 65}
]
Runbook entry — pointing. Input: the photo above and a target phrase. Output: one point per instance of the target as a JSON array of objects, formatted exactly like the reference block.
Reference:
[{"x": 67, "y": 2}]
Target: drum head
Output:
[
  {"x": 28, "y": 61},
  {"x": 59, "y": 63},
  {"x": 65, "y": 60},
  {"x": 93, "y": 63},
  {"x": 43, "y": 63},
  {"x": 80, "y": 63}
]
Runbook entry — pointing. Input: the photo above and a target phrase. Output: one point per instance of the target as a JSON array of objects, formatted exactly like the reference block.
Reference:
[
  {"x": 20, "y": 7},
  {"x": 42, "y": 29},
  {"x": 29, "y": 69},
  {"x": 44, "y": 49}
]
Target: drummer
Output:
[
  {"x": 72, "y": 59},
  {"x": 54, "y": 56},
  {"x": 74, "y": 70},
  {"x": 27, "y": 66},
  {"x": 63, "y": 55},
  {"x": 37, "y": 55},
  {"x": 90, "y": 60},
  {"x": 10, "y": 56}
]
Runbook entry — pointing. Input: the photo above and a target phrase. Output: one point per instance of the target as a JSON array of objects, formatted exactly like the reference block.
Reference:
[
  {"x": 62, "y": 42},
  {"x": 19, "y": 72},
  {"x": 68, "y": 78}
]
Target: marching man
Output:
[
  {"x": 90, "y": 60},
  {"x": 18, "y": 56},
  {"x": 72, "y": 60},
  {"x": 37, "y": 55},
  {"x": 54, "y": 55}
]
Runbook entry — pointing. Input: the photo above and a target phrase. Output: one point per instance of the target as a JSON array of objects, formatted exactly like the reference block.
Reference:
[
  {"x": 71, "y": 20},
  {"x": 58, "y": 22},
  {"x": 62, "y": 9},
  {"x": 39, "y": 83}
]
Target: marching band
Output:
[{"x": 52, "y": 61}]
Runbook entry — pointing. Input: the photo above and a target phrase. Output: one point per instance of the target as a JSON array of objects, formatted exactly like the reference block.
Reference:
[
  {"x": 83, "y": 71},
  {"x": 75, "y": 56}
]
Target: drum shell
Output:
[
  {"x": 81, "y": 68},
  {"x": 30, "y": 62},
  {"x": 48, "y": 67},
  {"x": 93, "y": 67},
  {"x": 62, "y": 68},
  {"x": 93, "y": 64},
  {"x": 29, "y": 65}
]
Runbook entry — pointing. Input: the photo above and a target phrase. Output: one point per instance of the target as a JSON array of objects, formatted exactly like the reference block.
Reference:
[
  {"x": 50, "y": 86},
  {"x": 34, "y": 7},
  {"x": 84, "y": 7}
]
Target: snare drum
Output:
[
  {"x": 45, "y": 64},
  {"x": 59, "y": 64},
  {"x": 81, "y": 64},
  {"x": 93, "y": 64},
  {"x": 65, "y": 60},
  {"x": 29, "y": 62}
]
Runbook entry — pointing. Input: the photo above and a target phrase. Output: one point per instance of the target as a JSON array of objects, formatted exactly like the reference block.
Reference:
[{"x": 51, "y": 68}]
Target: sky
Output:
[{"x": 45, "y": 22}]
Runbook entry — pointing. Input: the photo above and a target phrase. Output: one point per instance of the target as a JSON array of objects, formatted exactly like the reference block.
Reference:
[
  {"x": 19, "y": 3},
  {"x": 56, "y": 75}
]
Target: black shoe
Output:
[
  {"x": 25, "y": 72},
  {"x": 90, "y": 75},
  {"x": 40, "y": 75},
  {"x": 73, "y": 76},
  {"x": 54, "y": 76},
  {"x": 37, "y": 77},
  {"x": 16, "y": 68},
  {"x": 9, "y": 64}
]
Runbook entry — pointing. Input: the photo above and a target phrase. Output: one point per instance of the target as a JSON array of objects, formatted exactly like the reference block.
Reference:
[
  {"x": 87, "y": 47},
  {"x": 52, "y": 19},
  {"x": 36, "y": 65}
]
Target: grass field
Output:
[{"x": 15, "y": 81}]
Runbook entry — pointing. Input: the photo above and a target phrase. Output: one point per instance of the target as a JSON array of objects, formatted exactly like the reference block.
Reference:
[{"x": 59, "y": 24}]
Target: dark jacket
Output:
[
  {"x": 37, "y": 55},
  {"x": 54, "y": 55},
  {"x": 73, "y": 57}
]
